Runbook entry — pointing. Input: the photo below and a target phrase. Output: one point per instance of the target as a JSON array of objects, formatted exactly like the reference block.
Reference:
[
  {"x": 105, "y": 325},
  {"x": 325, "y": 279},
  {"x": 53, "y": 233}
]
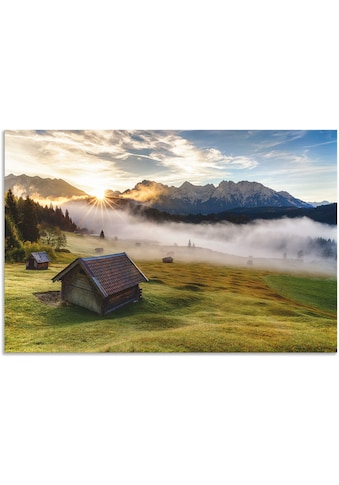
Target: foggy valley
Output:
[{"x": 290, "y": 244}]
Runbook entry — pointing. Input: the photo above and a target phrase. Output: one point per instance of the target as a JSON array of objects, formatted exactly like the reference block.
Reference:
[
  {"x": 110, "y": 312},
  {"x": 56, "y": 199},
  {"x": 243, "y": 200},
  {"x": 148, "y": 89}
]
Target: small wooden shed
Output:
[
  {"x": 167, "y": 259},
  {"x": 37, "y": 260},
  {"x": 102, "y": 283}
]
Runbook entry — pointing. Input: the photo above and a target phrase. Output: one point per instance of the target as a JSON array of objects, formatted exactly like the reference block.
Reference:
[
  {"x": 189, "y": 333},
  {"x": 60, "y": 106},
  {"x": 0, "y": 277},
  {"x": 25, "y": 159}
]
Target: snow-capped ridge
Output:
[{"x": 194, "y": 199}]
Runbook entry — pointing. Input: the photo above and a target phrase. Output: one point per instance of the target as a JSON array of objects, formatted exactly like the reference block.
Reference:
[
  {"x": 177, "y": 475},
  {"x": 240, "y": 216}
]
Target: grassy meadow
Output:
[{"x": 186, "y": 307}]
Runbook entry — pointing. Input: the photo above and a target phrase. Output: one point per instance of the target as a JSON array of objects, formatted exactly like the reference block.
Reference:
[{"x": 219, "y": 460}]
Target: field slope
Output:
[{"x": 185, "y": 308}]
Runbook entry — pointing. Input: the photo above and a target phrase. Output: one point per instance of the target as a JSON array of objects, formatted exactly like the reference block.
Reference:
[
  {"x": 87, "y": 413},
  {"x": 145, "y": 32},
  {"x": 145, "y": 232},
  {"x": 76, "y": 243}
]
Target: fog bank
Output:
[{"x": 282, "y": 239}]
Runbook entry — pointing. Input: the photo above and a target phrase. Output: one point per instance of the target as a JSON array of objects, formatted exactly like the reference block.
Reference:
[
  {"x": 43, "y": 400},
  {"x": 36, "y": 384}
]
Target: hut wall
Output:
[
  {"x": 31, "y": 263},
  {"x": 78, "y": 289},
  {"x": 42, "y": 266},
  {"x": 115, "y": 301}
]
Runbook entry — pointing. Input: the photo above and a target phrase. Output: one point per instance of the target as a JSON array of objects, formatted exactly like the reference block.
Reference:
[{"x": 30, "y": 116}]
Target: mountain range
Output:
[
  {"x": 183, "y": 200},
  {"x": 207, "y": 199}
]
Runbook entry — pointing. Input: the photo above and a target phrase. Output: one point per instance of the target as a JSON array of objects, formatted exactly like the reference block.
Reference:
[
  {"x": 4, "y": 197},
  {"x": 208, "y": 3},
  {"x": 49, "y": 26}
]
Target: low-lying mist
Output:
[{"x": 285, "y": 240}]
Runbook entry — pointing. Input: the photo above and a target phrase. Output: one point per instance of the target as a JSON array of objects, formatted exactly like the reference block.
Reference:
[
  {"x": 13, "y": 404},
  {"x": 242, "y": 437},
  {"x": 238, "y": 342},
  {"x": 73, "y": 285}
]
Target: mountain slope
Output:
[
  {"x": 207, "y": 199},
  {"x": 37, "y": 187}
]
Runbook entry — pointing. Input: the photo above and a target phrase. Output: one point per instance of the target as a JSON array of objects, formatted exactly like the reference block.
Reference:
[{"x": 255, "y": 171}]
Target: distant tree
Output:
[
  {"x": 102, "y": 235},
  {"x": 68, "y": 223},
  {"x": 61, "y": 241},
  {"x": 49, "y": 216},
  {"x": 47, "y": 234},
  {"x": 52, "y": 236}
]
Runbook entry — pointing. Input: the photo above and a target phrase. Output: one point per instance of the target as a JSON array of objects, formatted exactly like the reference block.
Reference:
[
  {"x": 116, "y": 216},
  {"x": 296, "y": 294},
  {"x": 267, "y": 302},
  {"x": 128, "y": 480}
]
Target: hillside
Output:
[
  {"x": 185, "y": 308},
  {"x": 38, "y": 187}
]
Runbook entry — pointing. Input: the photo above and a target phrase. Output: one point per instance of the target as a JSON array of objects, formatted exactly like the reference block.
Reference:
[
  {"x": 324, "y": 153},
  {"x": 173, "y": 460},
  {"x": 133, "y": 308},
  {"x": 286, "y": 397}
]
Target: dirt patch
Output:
[{"x": 52, "y": 298}]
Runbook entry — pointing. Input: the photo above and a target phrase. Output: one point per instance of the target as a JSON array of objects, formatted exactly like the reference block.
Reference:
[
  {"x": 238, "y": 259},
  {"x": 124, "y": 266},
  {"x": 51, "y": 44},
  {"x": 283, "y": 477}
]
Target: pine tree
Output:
[
  {"x": 59, "y": 216},
  {"x": 11, "y": 207},
  {"x": 69, "y": 224},
  {"x": 12, "y": 239},
  {"x": 28, "y": 224}
]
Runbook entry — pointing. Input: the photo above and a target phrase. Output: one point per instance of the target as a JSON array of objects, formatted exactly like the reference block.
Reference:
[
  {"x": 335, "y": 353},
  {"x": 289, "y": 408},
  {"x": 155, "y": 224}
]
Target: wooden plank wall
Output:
[{"x": 78, "y": 289}]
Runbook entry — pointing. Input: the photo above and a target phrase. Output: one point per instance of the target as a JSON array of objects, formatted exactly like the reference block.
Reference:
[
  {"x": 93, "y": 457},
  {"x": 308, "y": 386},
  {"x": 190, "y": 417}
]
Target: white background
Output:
[{"x": 169, "y": 419}]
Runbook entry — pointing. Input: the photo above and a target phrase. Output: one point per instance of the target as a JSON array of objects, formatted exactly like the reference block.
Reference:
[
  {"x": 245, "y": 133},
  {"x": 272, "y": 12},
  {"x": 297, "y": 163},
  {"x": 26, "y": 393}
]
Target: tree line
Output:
[
  {"x": 32, "y": 227},
  {"x": 243, "y": 215}
]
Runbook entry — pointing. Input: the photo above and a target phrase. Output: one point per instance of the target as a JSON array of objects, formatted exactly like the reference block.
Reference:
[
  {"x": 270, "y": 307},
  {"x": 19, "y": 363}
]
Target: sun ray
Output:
[{"x": 100, "y": 203}]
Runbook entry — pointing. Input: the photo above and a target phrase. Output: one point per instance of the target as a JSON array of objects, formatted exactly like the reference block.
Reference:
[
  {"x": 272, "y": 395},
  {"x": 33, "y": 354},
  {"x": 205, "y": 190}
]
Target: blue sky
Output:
[{"x": 302, "y": 162}]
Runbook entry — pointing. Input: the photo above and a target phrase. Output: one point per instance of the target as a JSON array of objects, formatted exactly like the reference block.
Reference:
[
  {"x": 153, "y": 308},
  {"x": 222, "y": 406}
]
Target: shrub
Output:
[
  {"x": 16, "y": 255},
  {"x": 36, "y": 247}
]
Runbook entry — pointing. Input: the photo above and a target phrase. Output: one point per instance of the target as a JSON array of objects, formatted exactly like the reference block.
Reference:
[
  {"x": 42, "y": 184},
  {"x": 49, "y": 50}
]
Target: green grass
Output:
[
  {"x": 312, "y": 292},
  {"x": 185, "y": 308}
]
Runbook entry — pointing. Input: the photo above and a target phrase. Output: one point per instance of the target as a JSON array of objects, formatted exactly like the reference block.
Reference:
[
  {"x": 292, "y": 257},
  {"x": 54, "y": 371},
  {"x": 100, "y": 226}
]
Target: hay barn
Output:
[
  {"x": 102, "y": 283},
  {"x": 167, "y": 259},
  {"x": 37, "y": 260}
]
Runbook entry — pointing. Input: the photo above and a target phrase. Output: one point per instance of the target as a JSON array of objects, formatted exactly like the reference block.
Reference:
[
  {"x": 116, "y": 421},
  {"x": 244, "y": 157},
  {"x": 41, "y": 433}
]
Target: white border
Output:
[{"x": 169, "y": 419}]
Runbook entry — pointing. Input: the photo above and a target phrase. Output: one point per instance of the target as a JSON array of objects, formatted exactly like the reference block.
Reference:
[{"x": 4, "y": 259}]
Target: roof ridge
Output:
[{"x": 91, "y": 258}]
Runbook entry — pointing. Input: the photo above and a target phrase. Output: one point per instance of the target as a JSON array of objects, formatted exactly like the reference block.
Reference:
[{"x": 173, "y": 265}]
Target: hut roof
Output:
[
  {"x": 110, "y": 274},
  {"x": 40, "y": 257}
]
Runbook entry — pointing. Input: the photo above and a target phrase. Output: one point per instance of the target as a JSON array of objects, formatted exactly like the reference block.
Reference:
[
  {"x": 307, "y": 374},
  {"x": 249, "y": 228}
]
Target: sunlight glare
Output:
[{"x": 99, "y": 193}]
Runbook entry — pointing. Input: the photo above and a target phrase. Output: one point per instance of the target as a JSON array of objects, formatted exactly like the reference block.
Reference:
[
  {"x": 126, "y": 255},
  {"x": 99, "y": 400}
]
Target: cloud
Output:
[
  {"x": 278, "y": 137},
  {"x": 121, "y": 155},
  {"x": 321, "y": 144},
  {"x": 287, "y": 156},
  {"x": 177, "y": 154},
  {"x": 146, "y": 192}
]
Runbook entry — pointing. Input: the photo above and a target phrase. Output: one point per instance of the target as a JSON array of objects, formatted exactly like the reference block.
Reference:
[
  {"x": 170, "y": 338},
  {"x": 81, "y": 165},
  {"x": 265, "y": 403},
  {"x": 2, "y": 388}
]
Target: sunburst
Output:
[
  {"x": 99, "y": 193},
  {"x": 99, "y": 205}
]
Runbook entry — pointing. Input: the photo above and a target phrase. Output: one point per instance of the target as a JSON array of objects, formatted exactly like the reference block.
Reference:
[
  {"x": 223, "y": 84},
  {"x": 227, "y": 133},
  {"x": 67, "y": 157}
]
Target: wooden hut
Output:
[
  {"x": 167, "y": 259},
  {"x": 37, "y": 260},
  {"x": 102, "y": 283}
]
